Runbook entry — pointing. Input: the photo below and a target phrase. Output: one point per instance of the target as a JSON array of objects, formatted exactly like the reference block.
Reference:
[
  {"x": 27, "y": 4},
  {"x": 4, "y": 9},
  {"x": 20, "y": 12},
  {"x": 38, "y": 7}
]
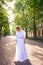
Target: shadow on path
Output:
[
  {"x": 27, "y": 62},
  {"x": 35, "y": 43},
  {"x": 38, "y": 40}
]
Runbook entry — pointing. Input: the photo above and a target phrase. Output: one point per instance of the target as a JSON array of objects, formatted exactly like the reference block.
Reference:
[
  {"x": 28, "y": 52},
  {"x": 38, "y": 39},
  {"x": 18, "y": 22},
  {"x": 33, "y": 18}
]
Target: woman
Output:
[{"x": 20, "y": 55}]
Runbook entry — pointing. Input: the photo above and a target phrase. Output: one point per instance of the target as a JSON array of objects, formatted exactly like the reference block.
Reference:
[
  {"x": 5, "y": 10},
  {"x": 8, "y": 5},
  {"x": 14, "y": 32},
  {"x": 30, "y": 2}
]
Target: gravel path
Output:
[{"x": 7, "y": 51}]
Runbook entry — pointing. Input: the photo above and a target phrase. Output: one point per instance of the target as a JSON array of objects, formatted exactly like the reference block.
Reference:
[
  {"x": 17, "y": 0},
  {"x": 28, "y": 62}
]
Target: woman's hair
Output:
[{"x": 17, "y": 27}]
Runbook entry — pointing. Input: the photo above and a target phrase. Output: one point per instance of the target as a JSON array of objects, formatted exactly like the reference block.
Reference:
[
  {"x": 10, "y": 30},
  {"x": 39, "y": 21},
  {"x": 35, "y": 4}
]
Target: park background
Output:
[{"x": 28, "y": 14}]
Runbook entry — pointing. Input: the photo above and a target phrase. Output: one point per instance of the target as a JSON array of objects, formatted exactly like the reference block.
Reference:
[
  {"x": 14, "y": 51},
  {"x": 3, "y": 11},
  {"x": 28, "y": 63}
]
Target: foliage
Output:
[
  {"x": 4, "y": 24},
  {"x": 28, "y": 13}
]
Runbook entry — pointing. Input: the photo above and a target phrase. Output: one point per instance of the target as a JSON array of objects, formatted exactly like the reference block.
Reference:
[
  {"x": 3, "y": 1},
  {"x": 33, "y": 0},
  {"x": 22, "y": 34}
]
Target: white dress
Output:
[{"x": 20, "y": 47}]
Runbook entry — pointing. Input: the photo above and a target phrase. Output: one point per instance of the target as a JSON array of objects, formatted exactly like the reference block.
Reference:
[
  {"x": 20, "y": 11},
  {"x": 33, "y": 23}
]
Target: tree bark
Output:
[
  {"x": 34, "y": 24},
  {"x": 26, "y": 33},
  {"x": 0, "y": 31}
]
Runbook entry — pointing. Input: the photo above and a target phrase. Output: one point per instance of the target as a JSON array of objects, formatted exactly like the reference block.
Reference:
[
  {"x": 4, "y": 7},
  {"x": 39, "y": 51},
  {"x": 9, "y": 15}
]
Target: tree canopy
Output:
[
  {"x": 28, "y": 13},
  {"x": 4, "y": 24}
]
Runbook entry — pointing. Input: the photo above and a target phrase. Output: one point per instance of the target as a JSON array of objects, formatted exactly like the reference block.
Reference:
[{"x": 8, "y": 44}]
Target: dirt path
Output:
[
  {"x": 35, "y": 52},
  {"x": 7, "y": 51}
]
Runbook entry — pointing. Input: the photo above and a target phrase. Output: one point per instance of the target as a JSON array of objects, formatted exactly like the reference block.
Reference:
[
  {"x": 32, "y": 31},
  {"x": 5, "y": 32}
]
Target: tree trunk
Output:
[
  {"x": 25, "y": 28},
  {"x": 34, "y": 24},
  {"x": 0, "y": 31},
  {"x": 26, "y": 33}
]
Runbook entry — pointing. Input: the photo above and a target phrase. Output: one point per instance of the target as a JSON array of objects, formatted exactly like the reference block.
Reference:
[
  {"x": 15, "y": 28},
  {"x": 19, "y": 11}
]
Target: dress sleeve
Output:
[{"x": 16, "y": 35}]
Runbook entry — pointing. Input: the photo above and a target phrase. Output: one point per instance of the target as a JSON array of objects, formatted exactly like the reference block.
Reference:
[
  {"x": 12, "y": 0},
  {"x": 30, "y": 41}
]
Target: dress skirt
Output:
[{"x": 20, "y": 54}]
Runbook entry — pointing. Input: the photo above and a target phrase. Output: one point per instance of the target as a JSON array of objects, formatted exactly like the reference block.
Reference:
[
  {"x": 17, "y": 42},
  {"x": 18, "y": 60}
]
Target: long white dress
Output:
[{"x": 20, "y": 47}]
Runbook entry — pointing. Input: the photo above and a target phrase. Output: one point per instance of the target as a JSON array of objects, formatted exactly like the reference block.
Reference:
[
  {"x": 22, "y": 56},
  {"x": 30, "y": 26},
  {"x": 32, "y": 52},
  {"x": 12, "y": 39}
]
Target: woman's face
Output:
[{"x": 18, "y": 29}]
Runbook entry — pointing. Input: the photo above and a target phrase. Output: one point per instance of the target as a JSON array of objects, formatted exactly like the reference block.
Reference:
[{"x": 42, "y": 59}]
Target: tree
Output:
[
  {"x": 21, "y": 15},
  {"x": 27, "y": 12},
  {"x": 4, "y": 24},
  {"x": 37, "y": 13},
  {"x": 36, "y": 6}
]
